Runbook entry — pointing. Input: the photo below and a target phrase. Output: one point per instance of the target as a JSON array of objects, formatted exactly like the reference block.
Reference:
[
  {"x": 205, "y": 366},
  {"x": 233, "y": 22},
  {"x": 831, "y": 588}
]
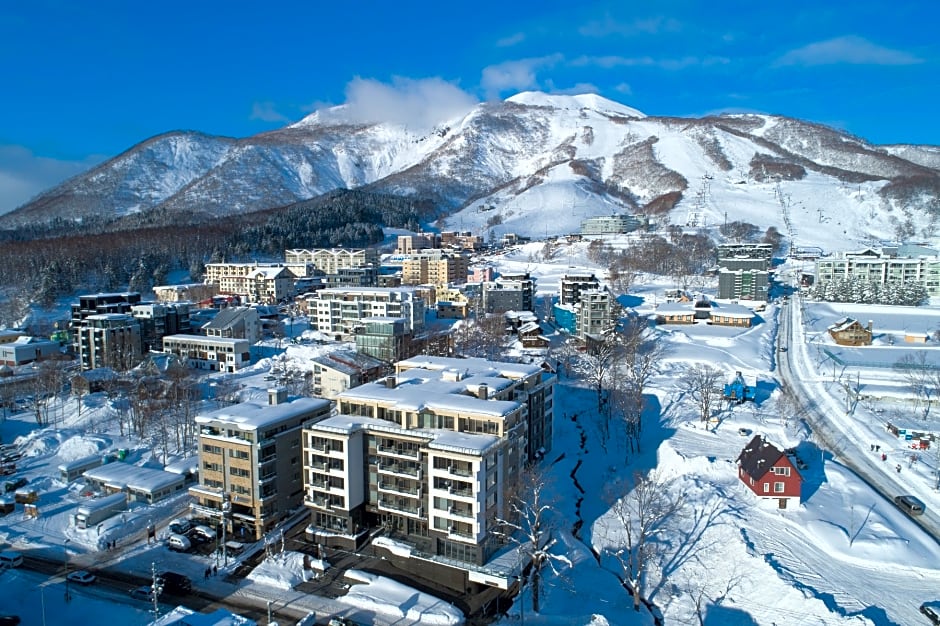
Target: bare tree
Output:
[
  {"x": 701, "y": 382},
  {"x": 528, "y": 526},
  {"x": 707, "y": 587},
  {"x": 640, "y": 519},
  {"x": 638, "y": 363},
  {"x": 922, "y": 377}
]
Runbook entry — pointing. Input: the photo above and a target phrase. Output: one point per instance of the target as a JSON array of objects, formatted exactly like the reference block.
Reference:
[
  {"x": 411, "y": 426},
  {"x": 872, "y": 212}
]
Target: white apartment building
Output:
[
  {"x": 430, "y": 453},
  {"x": 895, "y": 264},
  {"x": 593, "y": 310},
  {"x": 340, "y": 311},
  {"x": 219, "y": 354},
  {"x": 331, "y": 260},
  {"x": 261, "y": 283}
]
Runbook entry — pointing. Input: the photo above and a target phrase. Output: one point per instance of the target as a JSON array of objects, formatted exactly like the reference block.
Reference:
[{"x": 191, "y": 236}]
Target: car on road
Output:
[
  {"x": 82, "y": 577},
  {"x": 176, "y": 584},
  {"x": 910, "y": 504},
  {"x": 9, "y": 620},
  {"x": 143, "y": 593}
]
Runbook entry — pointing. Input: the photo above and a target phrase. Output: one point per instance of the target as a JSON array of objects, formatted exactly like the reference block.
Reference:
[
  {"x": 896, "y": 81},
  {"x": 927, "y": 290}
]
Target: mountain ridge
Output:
[{"x": 522, "y": 155}]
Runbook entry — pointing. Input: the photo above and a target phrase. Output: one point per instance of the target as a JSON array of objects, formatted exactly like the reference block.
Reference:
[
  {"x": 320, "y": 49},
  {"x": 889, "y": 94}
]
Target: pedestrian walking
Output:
[
  {"x": 884, "y": 457},
  {"x": 206, "y": 574},
  {"x": 215, "y": 568},
  {"x": 898, "y": 467}
]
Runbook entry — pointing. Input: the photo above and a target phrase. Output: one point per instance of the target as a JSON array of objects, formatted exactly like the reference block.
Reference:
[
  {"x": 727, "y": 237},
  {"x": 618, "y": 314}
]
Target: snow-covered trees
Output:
[{"x": 855, "y": 289}]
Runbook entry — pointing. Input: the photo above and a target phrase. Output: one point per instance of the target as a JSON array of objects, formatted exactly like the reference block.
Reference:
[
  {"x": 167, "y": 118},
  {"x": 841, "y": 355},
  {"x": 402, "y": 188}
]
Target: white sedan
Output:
[{"x": 82, "y": 577}]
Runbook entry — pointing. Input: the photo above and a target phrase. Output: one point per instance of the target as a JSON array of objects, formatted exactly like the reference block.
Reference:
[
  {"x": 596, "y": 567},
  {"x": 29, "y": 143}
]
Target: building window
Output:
[
  {"x": 766, "y": 487},
  {"x": 782, "y": 471},
  {"x": 778, "y": 487}
]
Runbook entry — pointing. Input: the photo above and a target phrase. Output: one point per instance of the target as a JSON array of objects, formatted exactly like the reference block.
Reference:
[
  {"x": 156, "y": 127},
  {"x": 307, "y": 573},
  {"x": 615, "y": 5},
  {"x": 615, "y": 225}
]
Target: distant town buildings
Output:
[{"x": 610, "y": 224}]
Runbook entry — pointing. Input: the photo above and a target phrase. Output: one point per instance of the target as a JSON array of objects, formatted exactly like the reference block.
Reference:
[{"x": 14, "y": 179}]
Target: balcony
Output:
[
  {"x": 460, "y": 511},
  {"x": 408, "y": 490},
  {"x": 457, "y": 470},
  {"x": 400, "y": 470},
  {"x": 391, "y": 505},
  {"x": 405, "y": 453}
]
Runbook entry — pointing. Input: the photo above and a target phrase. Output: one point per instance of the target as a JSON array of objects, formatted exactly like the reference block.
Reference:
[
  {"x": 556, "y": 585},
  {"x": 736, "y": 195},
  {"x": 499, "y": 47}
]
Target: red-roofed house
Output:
[{"x": 769, "y": 472}]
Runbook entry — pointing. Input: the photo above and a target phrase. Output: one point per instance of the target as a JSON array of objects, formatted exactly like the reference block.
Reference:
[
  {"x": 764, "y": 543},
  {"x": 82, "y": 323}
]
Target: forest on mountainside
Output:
[{"x": 43, "y": 263}]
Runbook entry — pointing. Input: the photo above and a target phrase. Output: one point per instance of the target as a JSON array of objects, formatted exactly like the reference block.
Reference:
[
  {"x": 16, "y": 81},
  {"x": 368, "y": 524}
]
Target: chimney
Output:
[
  {"x": 870, "y": 324},
  {"x": 483, "y": 391},
  {"x": 277, "y": 395},
  {"x": 390, "y": 382}
]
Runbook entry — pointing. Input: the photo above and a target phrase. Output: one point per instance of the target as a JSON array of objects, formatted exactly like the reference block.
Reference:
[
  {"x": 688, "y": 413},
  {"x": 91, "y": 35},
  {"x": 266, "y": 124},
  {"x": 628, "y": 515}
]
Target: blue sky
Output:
[{"x": 84, "y": 81}]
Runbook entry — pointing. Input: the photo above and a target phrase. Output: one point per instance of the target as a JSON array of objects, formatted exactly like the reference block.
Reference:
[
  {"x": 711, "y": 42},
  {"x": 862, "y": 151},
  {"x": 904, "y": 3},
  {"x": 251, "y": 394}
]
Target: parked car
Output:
[
  {"x": 10, "y": 559},
  {"x": 180, "y": 526},
  {"x": 9, "y": 620},
  {"x": 910, "y": 504},
  {"x": 176, "y": 584},
  {"x": 202, "y": 533},
  {"x": 179, "y": 543},
  {"x": 931, "y": 611},
  {"x": 82, "y": 577},
  {"x": 143, "y": 593}
]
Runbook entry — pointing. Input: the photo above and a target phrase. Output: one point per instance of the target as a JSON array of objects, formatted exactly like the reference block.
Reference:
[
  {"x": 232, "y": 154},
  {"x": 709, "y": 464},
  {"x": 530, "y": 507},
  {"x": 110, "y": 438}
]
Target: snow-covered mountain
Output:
[{"x": 533, "y": 164}]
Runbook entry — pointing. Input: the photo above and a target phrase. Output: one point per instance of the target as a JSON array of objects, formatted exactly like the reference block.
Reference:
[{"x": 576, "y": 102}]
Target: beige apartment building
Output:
[
  {"x": 429, "y": 453},
  {"x": 435, "y": 269},
  {"x": 250, "y": 461}
]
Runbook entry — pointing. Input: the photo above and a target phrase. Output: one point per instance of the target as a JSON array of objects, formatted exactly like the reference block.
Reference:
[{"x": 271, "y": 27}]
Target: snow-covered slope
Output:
[{"x": 534, "y": 164}]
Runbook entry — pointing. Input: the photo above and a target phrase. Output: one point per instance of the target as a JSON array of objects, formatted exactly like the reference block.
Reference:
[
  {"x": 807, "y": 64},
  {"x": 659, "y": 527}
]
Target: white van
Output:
[
  {"x": 10, "y": 559},
  {"x": 178, "y": 543}
]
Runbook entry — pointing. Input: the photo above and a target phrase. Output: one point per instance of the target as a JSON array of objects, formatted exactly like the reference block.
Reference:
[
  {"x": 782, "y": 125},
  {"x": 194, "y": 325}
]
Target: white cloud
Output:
[
  {"x": 23, "y": 175},
  {"x": 516, "y": 75},
  {"x": 511, "y": 40},
  {"x": 624, "y": 88},
  {"x": 419, "y": 103},
  {"x": 612, "y": 61},
  {"x": 849, "y": 49},
  {"x": 645, "y": 26},
  {"x": 574, "y": 90},
  {"x": 266, "y": 112}
]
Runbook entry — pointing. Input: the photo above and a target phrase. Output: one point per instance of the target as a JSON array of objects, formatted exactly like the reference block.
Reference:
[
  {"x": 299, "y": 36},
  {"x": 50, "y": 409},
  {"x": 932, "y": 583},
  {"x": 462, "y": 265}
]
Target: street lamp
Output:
[{"x": 68, "y": 596}]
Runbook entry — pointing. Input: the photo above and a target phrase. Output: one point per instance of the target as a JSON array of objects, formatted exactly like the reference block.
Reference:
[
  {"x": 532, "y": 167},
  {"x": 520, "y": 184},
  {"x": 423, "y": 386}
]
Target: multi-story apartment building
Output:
[
  {"x": 420, "y": 241},
  {"x": 219, "y": 354},
  {"x": 594, "y": 313},
  {"x": 97, "y": 304},
  {"x": 509, "y": 293},
  {"x": 158, "y": 320},
  {"x": 193, "y": 292},
  {"x": 262, "y": 283},
  {"x": 250, "y": 459},
  {"x": 894, "y": 264},
  {"x": 746, "y": 250},
  {"x": 340, "y": 312},
  {"x": 430, "y": 453},
  {"x": 384, "y": 338},
  {"x": 461, "y": 240},
  {"x": 335, "y": 372},
  {"x": 109, "y": 340},
  {"x": 331, "y": 260},
  {"x": 435, "y": 269},
  {"x": 235, "y": 322},
  {"x": 610, "y": 224},
  {"x": 573, "y": 284},
  {"x": 741, "y": 284}
]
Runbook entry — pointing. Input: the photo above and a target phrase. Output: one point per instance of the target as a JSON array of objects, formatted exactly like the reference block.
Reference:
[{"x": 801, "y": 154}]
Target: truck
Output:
[
  {"x": 738, "y": 391},
  {"x": 99, "y": 509}
]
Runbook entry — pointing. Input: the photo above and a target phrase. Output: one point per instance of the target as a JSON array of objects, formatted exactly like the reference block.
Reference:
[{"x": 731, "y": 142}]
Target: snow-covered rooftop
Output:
[{"x": 252, "y": 416}]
